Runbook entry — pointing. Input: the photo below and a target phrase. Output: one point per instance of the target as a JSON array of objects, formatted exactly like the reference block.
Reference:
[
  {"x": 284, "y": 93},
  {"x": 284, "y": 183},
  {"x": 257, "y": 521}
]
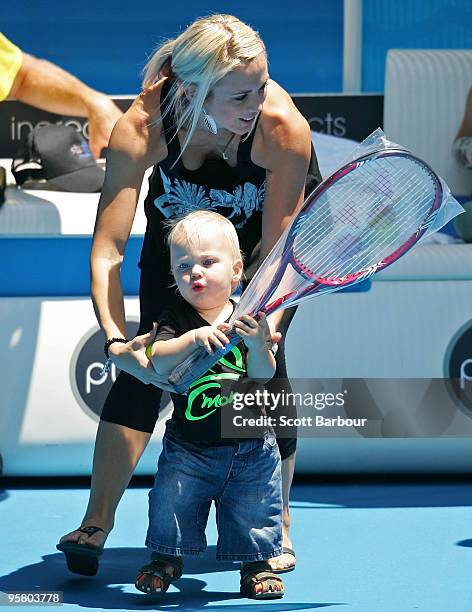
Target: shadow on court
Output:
[
  {"x": 465, "y": 543},
  {"x": 119, "y": 566},
  {"x": 381, "y": 495}
]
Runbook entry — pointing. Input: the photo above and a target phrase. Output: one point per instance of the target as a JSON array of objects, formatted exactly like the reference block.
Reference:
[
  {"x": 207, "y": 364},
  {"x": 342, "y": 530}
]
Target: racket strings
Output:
[
  {"x": 317, "y": 222},
  {"x": 320, "y": 217},
  {"x": 319, "y": 261},
  {"x": 383, "y": 242},
  {"x": 353, "y": 190},
  {"x": 341, "y": 249},
  {"x": 325, "y": 229},
  {"x": 380, "y": 238}
]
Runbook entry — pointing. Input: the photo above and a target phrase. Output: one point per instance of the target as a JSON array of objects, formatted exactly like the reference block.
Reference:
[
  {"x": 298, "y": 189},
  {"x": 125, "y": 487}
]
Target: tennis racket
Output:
[{"x": 358, "y": 221}]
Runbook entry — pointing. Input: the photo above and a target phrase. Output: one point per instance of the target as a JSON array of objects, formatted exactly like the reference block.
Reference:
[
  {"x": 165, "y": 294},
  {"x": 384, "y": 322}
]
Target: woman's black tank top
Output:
[{"x": 236, "y": 193}]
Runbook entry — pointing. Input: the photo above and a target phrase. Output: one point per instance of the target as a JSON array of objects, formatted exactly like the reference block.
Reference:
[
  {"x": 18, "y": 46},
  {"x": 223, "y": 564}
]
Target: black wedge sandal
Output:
[{"x": 82, "y": 558}]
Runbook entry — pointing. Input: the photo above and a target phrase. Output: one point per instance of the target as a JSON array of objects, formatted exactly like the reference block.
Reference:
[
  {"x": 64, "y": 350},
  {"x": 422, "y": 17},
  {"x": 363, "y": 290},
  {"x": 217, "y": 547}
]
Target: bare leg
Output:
[
  {"x": 117, "y": 451},
  {"x": 285, "y": 560}
]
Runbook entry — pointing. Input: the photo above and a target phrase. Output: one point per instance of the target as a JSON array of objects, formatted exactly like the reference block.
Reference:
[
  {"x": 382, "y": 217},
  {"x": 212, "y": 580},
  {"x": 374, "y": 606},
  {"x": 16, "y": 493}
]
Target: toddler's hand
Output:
[
  {"x": 210, "y": 335},
  {"x": 256, "y": 334}
]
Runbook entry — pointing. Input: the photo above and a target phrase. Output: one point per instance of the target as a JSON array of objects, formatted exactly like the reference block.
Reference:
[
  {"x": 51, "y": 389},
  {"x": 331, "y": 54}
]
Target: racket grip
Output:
[{"x": 198, "y": 363}]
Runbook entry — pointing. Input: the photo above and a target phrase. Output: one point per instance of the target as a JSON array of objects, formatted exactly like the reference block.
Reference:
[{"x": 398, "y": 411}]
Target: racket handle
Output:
[{"x": 199, "y": 362}]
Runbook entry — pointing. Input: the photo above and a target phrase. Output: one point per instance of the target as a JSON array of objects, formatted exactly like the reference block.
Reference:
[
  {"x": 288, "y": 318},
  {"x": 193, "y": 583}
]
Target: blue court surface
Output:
[{"x": 388, "y": 546}]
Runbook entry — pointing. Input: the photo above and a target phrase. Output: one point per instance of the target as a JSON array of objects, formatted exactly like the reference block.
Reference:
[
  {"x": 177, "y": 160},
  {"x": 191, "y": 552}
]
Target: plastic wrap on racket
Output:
[{"x": 199, "y": 362}]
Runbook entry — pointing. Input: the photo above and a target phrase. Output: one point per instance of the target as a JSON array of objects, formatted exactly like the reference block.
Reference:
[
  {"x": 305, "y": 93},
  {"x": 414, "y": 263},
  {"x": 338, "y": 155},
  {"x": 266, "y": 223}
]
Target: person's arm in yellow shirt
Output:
[{"x": 47, "y": 86}]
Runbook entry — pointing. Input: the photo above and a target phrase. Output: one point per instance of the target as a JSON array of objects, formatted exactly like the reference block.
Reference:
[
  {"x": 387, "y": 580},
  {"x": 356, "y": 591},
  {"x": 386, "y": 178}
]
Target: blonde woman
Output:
[{"x": 220, "y": 135}]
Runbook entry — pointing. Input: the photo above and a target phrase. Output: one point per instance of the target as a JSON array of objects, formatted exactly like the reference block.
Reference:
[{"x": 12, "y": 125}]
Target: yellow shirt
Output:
[{"x": 11, "y": 59}]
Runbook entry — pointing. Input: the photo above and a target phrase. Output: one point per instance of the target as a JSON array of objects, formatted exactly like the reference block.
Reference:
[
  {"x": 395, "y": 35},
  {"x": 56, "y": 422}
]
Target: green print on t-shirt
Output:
[{"x": 201, "y": 405}]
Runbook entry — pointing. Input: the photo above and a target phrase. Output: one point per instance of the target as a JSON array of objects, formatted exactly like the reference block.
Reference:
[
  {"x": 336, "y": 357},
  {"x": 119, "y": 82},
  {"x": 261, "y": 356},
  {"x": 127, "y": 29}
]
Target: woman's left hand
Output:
[{"x": 132, "y": 358}]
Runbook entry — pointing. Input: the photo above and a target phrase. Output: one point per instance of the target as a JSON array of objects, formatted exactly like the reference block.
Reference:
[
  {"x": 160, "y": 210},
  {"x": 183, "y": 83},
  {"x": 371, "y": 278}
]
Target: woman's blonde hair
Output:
[
  {"x": 204, "y": 53},
  {"x": 189, "y": 229}
]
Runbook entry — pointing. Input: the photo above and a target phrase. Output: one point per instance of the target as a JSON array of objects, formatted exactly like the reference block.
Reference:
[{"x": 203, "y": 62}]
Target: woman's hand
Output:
[{"x": 131, "y": 358}]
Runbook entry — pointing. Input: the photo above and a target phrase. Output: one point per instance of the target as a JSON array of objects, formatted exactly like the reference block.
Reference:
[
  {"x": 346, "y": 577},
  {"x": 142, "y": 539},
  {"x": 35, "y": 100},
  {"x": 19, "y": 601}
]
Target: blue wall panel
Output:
[
  {"x": 410, "y": 24},
  {"x": 57, "y": 266},
  {"x": 106, "y": 44}
]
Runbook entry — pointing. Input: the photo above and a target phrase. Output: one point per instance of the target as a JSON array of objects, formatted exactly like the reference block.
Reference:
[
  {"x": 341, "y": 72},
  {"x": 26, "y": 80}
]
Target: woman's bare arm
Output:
[
  {"x": 135, "y": 145},
  {"x": 284, "y": 149}
]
